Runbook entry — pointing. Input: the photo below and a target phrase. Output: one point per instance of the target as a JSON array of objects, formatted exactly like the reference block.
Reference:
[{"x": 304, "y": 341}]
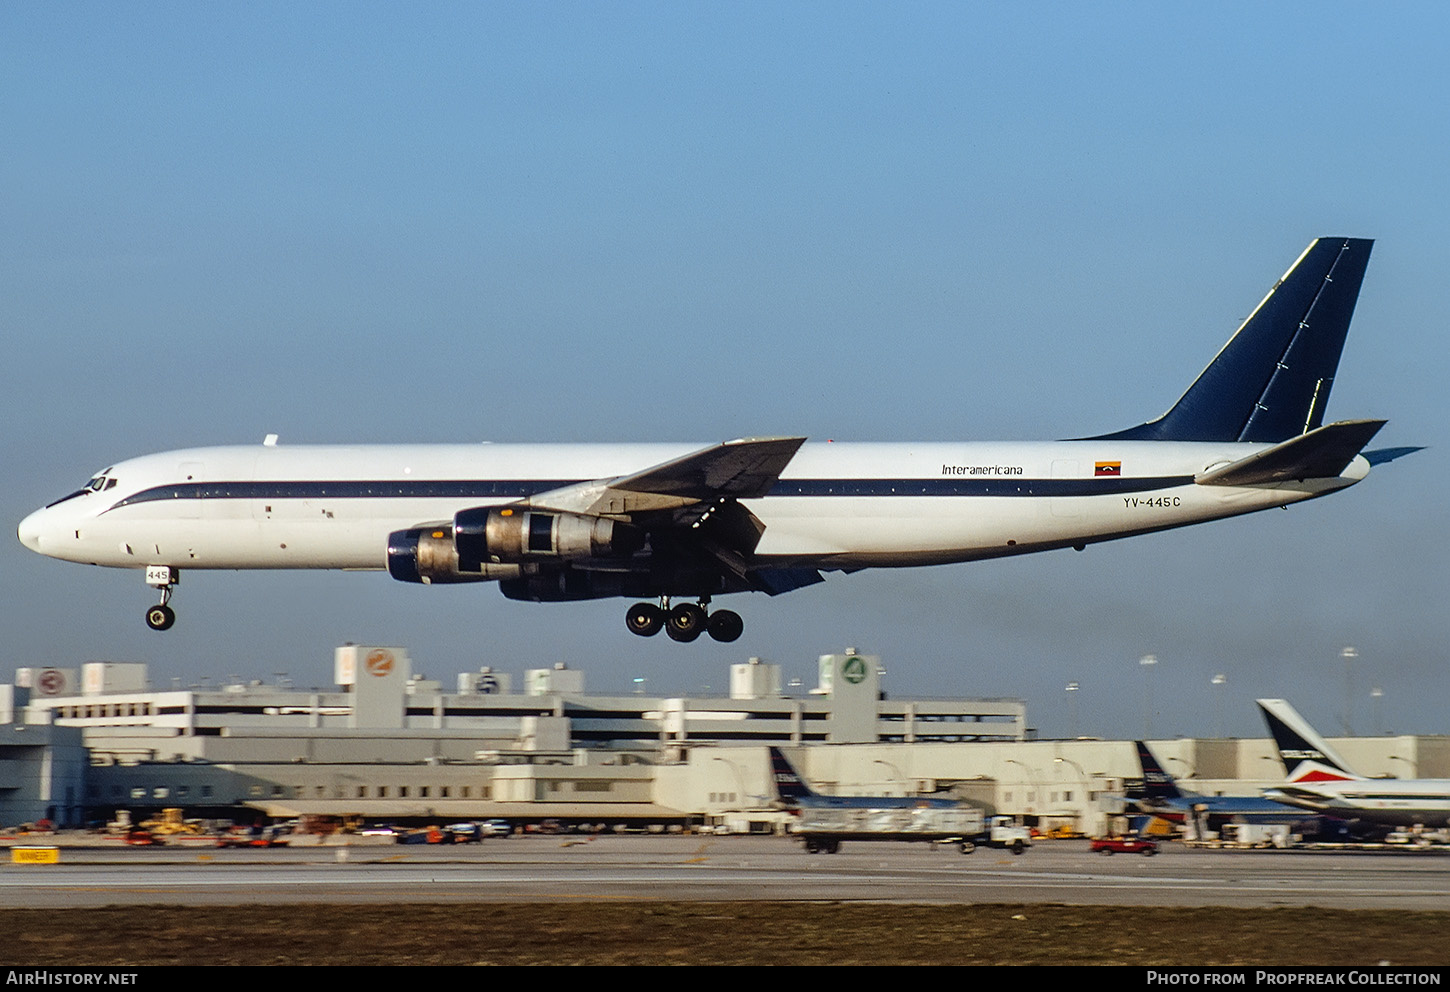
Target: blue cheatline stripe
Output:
[
  {"x": 518, "y": 488},
  {"x": 1107, "y": 486},
  {"x": 376, "y": 489}
]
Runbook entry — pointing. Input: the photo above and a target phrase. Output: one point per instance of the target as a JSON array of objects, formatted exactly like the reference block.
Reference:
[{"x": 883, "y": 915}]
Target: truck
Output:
[
  {"x": 1004, "y": 832},
  {"x": 822, "y": 830}
]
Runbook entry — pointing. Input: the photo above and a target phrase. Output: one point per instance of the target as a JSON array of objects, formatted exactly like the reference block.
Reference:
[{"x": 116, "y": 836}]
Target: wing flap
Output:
[
  {"x": 774, "y": 581},
  {"x": 745, "y": 468},
  {"x": 1323, "y": 453}
]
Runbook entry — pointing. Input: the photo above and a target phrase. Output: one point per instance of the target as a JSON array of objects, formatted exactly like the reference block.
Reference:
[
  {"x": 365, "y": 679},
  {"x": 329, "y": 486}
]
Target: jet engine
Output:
[
  {"x": 493, "y": 542},
  {"x": 428, "y": 555},
  {"x": 496, "y": 535}
]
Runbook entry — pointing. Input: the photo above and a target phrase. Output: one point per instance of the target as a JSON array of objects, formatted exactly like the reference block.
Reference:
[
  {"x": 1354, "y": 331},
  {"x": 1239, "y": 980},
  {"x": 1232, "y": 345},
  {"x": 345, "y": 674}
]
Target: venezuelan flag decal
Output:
[{"x": 1107, "y": 468}]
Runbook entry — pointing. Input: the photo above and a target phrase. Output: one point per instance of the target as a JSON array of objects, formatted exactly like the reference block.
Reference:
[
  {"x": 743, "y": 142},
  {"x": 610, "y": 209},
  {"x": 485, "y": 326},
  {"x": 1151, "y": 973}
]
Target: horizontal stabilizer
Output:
[
  {"x": 1323, "y": 453},
  {"x": 1381, "y": 455}
]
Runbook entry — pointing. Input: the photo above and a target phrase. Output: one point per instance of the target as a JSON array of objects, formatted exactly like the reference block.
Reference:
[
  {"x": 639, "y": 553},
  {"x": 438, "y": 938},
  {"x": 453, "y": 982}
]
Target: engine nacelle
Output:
[
  {"x": 494, "y": 535},
  {"x": 428, "y": 555}
]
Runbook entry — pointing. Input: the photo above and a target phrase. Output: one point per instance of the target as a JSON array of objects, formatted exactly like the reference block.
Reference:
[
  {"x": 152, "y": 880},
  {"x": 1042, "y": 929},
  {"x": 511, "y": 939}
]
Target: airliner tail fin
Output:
[{"x": 1271, "y": 381}]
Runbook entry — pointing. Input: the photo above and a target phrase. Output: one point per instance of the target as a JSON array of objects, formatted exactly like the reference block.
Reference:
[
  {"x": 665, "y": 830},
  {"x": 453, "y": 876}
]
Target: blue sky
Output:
[{"x": 637, "y": 221}]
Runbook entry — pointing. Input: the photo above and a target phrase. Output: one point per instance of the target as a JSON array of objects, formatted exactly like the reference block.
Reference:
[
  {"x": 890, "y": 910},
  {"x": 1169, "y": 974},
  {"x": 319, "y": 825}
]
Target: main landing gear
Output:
[
  {"x": 165, "y": 578},
  {"x": 683, "y": 623}
]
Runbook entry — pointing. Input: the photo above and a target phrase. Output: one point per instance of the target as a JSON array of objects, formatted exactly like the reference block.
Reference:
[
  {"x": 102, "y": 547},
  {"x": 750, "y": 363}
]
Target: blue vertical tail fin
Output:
[
  {"x": 789, "y": 785},
  {"x": 1271, "y": 381},
  {"x": 1157, "y": 783}
]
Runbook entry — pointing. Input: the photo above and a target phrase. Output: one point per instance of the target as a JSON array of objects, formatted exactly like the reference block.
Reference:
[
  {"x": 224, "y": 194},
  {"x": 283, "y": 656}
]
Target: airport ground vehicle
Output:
[
  {"x": 1124, "y": 845},
  {"x": 473, "y": 831},
  {"x": 823, "y": 830},
  {"x": 1004, "y": 832}
]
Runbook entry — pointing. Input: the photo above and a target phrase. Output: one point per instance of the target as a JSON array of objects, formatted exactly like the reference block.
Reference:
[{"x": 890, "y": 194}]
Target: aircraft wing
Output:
[
  {"x": 1320, "y": 454},
  {"x": 745, "y": 468},
  {"x": 691, "y": 505}
]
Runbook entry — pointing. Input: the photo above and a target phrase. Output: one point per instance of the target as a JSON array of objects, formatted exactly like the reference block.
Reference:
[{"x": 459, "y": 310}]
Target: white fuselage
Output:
[
  {"x": 1392, "y": 802},
  {"x": 835, "y": 505}
]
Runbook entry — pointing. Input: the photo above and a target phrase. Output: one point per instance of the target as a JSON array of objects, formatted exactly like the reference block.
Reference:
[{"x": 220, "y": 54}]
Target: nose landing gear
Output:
[
  {"x": 164, "y": 577},
  {"x": 684, "y": 623}
]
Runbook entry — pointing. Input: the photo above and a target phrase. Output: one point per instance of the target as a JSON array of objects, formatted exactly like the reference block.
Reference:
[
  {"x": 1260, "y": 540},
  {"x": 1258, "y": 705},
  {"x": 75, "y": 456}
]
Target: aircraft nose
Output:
[{"x": 29, "y": 531}]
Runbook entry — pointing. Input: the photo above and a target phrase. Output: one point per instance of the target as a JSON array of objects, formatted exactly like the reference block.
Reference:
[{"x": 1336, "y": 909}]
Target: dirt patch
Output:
[{"x": 717, "y": 933}]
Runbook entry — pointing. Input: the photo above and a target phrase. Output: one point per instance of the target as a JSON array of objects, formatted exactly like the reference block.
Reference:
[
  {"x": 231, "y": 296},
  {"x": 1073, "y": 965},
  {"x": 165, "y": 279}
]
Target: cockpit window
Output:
[
  {"x": 101, "y": 481},
  {"x": 78, "y": 492}
]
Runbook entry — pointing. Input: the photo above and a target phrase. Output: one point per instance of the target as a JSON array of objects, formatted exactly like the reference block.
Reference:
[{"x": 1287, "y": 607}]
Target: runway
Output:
[{"x": 546, "y": 869}]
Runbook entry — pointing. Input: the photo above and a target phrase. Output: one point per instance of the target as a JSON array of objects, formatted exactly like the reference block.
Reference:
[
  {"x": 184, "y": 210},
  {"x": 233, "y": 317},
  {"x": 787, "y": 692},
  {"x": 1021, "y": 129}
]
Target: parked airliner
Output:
[
  {"x": 795, "y": 795},
  {"x": 1320, "y": 780},
  {"x": 555, "y": 522},
  {"x": 1164, "y": 797}
]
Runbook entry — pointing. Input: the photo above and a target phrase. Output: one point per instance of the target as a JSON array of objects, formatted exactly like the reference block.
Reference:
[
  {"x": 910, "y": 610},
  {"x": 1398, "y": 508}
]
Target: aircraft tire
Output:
[
  {"x": 968, "y": 847},
  {"x": 644, "y": 619},
  {"x": 160, "y": 617},
  {"x": 725, "y": 625},
  {"x": 686, "y": 622}
]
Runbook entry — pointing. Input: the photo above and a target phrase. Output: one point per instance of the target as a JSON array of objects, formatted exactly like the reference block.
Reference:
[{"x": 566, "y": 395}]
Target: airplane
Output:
[
  {"x": 1164, "y": 798},
  {"x": 561, "y": 522},
  {"x": 1319, "y": 779},
  {"x": 795, "y": 795}
]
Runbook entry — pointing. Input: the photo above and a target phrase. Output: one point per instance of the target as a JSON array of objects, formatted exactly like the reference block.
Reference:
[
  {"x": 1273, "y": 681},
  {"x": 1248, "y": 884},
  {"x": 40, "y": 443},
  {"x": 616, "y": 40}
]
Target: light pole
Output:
[
  {"x": 1376, "y": 693},
  {"x": 1220, "y": 680},
  {"x": 1410, "y": 764},
  {"x": 896, "y": 773},
  {"x": 1147, "y": 662},
  {"x": 739, "y": 777},
  {"x": 1075, "y": 811},
  {"x": 1031, "y": 782},
  {"x": 1349, "y": 653},
  {"x": 1191, "y": 771},
  {"x": 1071, "y": 690}
]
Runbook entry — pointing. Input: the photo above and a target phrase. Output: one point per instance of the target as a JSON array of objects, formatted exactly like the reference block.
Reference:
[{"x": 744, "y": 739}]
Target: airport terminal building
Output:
[{"x": 383, "y": 744}]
